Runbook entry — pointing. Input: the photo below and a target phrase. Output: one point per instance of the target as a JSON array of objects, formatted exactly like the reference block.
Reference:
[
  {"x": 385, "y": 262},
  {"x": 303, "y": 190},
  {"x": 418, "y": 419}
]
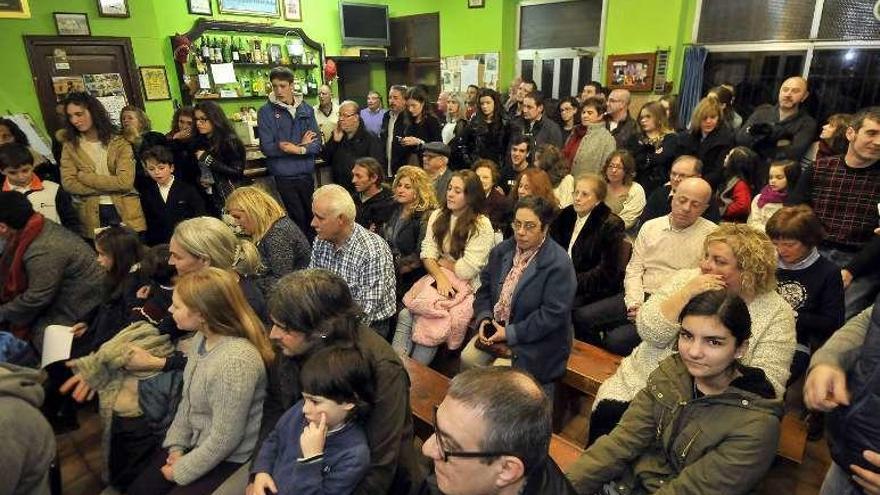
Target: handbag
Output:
[{"x": 498, "y": 349}]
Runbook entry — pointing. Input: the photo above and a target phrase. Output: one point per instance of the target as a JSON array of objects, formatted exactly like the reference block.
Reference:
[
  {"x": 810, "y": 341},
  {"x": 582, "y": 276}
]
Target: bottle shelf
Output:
[{"x": 251, "y": 65}]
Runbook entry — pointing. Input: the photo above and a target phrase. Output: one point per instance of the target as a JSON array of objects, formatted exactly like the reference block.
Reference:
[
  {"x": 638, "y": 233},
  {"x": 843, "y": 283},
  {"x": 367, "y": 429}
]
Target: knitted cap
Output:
[{"x": 15, "y": 209}]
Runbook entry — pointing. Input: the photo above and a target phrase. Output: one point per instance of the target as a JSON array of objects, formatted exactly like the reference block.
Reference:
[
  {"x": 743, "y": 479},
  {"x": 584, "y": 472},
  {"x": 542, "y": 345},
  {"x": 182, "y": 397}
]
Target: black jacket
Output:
[
  {"x": 597, "y": 251},
  {"x": 183, "y": 202},
  {"x": 799, "y": 130},
  {"x": 543, "y": 131},
  {"x": 341, "y": 155},
  {"x": 489, "y": 141},
  {"x": 711, "y": 150},
  {"x": 653, "y": 162},
  {"x": 374, "y": 212},
  {"x": 428, "y": 130},
  {"x": 398, "y": 152},
  {"x": 186, "y": 166},
  {"x": 625, "y": 129}
]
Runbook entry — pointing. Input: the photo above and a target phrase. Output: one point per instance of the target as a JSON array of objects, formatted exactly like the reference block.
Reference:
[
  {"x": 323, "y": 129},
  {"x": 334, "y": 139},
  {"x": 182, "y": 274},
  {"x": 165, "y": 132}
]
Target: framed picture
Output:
[
  {"x": 634, "y": 72},
  {"x": 72, "y": 24},
  {"x": 267, "y": 8},
  {"x": 14, "y": 9},
  {"x": 200, "y": 7},
  {"x": 113, "y": 8},
  {"x": 476, "y": 4},
  {"x": 155, "y": 82},
  {"x": 292, "y": 10}
]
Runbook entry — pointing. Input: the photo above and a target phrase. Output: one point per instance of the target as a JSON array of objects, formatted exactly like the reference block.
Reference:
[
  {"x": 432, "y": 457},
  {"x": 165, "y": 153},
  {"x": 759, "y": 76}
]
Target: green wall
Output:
[{"x": 632, "y": 26}]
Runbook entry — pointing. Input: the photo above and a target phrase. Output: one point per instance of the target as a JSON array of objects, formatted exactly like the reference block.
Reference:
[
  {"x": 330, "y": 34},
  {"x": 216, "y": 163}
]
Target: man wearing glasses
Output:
[
  {"x": 659, "y": 201},
  {"x": 349, "y": 141},
  {"x": 492, "y": 437}
]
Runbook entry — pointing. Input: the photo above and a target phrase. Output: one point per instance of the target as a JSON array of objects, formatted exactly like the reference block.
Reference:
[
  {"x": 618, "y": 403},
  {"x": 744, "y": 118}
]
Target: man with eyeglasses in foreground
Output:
[
  {"x": 659, "y": 201},
  {"x": 492, "y": 437}
]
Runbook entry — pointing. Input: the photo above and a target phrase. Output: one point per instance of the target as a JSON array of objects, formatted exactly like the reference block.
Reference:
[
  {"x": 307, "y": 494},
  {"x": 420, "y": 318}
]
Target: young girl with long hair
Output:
[
  {"x": 459, "y": 238},
  {"x": 704, "y": 423},
  {"x": 783, "y": 175},
  {"x": 218, "y": 419},
  {"x": 488, "y": 132},
  {"x": 423, "y": 126}
]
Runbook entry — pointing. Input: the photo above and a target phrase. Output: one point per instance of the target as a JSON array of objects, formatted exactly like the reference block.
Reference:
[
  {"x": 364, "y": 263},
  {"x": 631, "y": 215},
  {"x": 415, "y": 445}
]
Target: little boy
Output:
[
  {"x": 166, "y": 201},
  {"x": 47, "y": 197}
]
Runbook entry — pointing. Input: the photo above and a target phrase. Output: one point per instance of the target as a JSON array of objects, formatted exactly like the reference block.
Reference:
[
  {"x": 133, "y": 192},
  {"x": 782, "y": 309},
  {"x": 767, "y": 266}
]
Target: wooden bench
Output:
[
  {"x": 589, "y": 366},
  {"x": 428, "y": 388}
]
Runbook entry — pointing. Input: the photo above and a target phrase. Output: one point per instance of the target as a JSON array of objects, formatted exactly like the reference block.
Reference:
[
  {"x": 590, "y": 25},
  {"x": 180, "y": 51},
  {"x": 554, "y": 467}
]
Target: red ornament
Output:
[
  {"x": 182, "y": 46},
  {"x": 329, "y": 70}
]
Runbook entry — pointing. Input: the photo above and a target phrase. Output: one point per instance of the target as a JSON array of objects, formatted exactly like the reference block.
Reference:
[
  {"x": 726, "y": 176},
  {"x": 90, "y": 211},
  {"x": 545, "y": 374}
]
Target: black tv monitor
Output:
[{"x": 364, "y": 24}]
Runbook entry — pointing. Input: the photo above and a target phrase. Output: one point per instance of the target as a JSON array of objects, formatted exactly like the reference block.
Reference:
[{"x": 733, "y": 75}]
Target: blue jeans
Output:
[
  {"x": 403, "y": 343},
  {"x": 862, "y": 291},
  {"x": 838, "y": 482}
]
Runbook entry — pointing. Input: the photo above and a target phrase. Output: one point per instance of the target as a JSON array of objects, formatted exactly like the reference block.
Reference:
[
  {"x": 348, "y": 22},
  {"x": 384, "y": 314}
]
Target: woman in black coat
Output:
[
  {"x": 709, "y": 139},
  {"x": 597, "y": 250},
  {"x": 654, "y": 147},
  {"x": 488, "y": 132},
  {"x": 423, "y": 126},
  {"x": 220, "y": 154}
]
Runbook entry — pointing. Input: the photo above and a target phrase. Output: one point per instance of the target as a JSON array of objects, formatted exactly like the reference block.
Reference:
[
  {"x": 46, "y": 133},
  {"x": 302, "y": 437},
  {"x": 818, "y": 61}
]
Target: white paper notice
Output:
[
  {"x": 223, "y": 73},
  {"x": 57, "y": 341},
  {"x": 470, "y": 70}
]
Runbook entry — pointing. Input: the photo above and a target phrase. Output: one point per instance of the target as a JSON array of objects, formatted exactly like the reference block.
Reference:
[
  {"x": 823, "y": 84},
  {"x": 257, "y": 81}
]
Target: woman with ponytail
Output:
[{"x": 217, "y": 423}]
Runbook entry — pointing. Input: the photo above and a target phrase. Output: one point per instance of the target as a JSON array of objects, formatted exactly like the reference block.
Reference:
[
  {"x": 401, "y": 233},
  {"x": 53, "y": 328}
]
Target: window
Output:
[
  {"x": 557, "y": 43},
  {"x": 843, "y": 81},
  {"x": 755, "y": 75},
  {"x": 723, "y": 21}
]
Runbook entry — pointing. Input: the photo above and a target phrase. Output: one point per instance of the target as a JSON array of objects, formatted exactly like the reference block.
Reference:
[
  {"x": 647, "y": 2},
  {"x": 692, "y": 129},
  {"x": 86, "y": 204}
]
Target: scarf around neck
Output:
[{"x": 770, "y": 195}]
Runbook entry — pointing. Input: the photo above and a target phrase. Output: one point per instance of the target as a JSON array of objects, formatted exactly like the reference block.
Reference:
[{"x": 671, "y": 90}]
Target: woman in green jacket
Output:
[{"x": 703, "y": 424}]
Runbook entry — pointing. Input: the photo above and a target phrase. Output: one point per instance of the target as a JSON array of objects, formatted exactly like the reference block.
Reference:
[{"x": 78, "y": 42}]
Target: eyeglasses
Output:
[
  {"x": 347, "y": 115},
  {"x": 674, "y": 175},
  {"x": 446, "y": 454},
  {"x": 527, "y": 226}
]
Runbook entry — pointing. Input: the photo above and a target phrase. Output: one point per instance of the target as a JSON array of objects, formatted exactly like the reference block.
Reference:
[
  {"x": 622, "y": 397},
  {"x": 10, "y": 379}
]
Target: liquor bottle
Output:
[
  {"x": 311, "y": 83},
  {"x": 206, "y": 50},
  {"x": 218, "y": 54},
  {"x": 258, "y": 53},
  {"x": 245, "y": 81},
  {"x": 236, "y": 56},
  {"x": 257, "y": 85},
  {"x": 224, "y": 51}
]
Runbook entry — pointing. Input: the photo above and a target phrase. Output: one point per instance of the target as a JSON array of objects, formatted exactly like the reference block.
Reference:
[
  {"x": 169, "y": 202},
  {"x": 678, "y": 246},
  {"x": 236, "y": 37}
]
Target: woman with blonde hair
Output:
[
  {"x": 653, "y": 147},
  {"x": 137, "y": 130},
  {"x": 738, "y": 259},
  {"x": 406, "y": 228},
  {"x": 217, "y": 423},
  {"x": 453, "y": 129},
  {"x": 708, "y": 139},
  {"x": 282, "y": 245}
]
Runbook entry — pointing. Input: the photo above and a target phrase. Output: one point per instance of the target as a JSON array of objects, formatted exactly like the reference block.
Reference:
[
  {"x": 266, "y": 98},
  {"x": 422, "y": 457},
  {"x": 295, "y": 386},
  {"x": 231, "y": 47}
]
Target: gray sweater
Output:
[{"x": 218, "y": 418}]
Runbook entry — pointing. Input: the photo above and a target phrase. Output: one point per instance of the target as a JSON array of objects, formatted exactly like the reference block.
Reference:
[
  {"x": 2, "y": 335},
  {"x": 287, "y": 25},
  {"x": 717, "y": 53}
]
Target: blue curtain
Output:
[{"x": 692, "y": 83}]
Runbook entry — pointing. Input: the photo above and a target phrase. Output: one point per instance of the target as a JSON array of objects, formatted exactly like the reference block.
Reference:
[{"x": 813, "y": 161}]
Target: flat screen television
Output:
[{"x": 364, "y": 24}]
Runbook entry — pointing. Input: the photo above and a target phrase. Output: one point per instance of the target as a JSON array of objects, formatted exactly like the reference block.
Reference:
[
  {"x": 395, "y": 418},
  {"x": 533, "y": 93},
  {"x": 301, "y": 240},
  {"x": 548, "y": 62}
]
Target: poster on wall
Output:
[
  {"x": 61, "y": 86},
  {"x": 250, "y": 7},
  {"x": 14, "y": 9},
  {"x": 155, "y": 82},
  {"x": 109, "y": 90}
]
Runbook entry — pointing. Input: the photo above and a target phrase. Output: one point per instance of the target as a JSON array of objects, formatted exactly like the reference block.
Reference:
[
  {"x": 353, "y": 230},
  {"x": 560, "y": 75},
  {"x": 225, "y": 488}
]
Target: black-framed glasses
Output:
[{"x": 445, "y": 454}]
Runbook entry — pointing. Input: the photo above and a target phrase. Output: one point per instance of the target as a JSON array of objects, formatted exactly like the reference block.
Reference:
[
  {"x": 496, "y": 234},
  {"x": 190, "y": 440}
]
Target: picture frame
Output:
[
  {"x": 200, "y": 7},
  {"x": 476, "y": 4},
  {"x": 292, "y": 10},
  {"x": 263, "y": 8},
  {"x": 72, "y": 24},
  {"x": 155, "y": 82},
  {"x": 633, "y": 72},
  {"x": 113, "y": 8},
  {"x": 15, "y": 9}
]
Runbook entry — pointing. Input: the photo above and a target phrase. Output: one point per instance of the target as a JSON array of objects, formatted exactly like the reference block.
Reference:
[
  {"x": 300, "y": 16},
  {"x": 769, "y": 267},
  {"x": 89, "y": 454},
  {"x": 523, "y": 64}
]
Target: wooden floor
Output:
[{"x": 80, "y": 453}]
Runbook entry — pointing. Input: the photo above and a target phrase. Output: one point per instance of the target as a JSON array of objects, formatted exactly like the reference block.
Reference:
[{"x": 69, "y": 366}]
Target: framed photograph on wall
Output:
[
  {"x": 633, "y": 72},
  {"x": 113, "y": 8},
  {"x": 155, "y": 82},
  {"x": 72, "y": 24},
  {"x": 200, "y": 7},
  {"x": 268, "y": 8},
  {"x": 14, "y": 9},
  {"x": 292, "y": 10},
  {"x": 476, "y": 4}
]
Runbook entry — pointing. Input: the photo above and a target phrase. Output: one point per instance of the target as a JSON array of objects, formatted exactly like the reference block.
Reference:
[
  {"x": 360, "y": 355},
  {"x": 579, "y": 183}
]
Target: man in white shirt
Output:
[
  {"x": 664, "y": 245},
  {"x": 327, "y": 112}
]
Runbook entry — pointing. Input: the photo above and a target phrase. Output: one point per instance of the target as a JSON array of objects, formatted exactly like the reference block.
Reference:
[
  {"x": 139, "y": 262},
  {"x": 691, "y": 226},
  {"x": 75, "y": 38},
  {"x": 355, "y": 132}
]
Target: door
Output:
[
  {"x": 558, "y": 73},
  {"x": 72, "y": 57}
]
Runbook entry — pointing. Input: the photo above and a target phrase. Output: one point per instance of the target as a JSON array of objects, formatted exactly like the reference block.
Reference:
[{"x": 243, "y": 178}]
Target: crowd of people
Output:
[{"x": 245, "y": 338}]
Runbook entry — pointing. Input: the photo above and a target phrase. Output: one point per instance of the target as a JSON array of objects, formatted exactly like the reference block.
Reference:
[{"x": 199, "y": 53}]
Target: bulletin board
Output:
[{"x": 460, "y": 71}]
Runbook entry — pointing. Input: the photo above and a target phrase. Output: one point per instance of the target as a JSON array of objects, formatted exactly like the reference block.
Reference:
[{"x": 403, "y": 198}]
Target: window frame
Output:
[{"x": 538, "y": 56}]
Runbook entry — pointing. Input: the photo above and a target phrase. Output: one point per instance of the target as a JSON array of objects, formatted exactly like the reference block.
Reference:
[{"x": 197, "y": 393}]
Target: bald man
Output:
[
  {"x": 664, "y": 246},
  {"x": 659, "y": 201},
  {"x": 327, "y": 112},
  {"x": 621, "y": 125},
  {"x": 780, "y": 132}
]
